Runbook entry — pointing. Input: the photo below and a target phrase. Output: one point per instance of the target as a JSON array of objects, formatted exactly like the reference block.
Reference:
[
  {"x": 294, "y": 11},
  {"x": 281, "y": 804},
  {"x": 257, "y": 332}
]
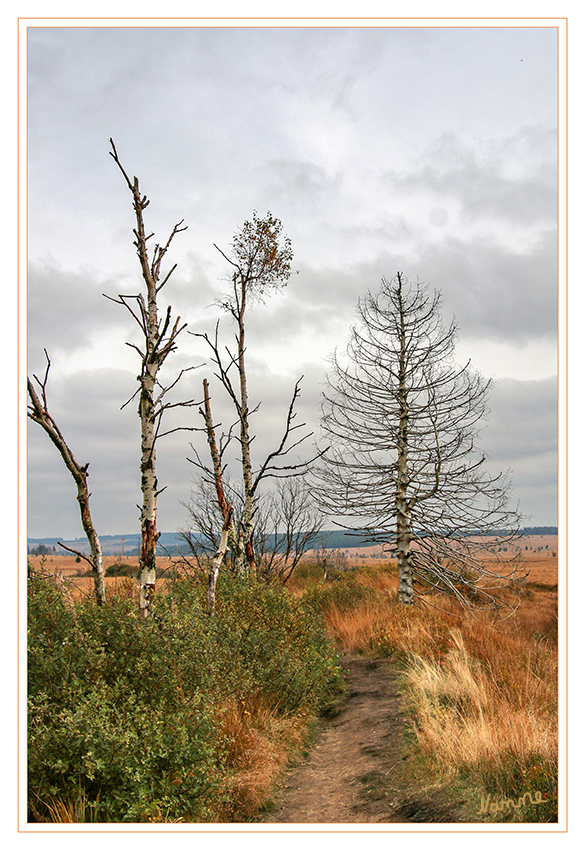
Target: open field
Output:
[
  {"x": 539, "y": 554},
  {"x": 79, "y": 574}
]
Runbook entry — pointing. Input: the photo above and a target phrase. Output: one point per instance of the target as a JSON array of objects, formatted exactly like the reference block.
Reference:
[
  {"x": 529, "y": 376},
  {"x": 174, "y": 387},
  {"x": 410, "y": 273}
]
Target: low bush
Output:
[
  {"x": 134, "y": 720},
  {"x": 121, "y": 570},
  {"x": 341, "y": 593}
]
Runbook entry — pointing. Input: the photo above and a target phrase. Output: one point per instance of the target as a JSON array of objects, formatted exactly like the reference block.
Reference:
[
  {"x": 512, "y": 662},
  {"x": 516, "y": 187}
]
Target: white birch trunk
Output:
[
  {"x": 217, "y": 562},
  {"x": 248, "y": 519}
]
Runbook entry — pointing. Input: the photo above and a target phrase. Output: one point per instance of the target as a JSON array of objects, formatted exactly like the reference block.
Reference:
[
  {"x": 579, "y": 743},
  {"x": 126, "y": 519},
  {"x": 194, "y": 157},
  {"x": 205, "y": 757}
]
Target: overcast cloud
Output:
[{"x": 429, "y": 151}]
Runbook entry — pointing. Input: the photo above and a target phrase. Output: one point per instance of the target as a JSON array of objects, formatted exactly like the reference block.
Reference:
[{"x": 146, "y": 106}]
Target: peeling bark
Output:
[
  {"x": 225, "y": 506},
  {"x": 218, "y": 559},
  {"x": 248, "y": 524}
]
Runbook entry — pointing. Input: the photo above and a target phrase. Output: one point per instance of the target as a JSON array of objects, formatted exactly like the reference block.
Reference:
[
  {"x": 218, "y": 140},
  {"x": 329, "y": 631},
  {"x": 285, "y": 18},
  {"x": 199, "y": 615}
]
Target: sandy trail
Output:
[{"x": 352, "y": 773}]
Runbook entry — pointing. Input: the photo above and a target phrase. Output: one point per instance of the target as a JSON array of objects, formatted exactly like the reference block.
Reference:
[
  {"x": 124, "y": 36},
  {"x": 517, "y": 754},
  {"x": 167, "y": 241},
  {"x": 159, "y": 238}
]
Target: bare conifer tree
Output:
[
  {"x": 38, "y": 411},
  {"x": 159, "y": 340},
  {"x": 402, "y": 419},
  {"x": 261, "y": 262}
]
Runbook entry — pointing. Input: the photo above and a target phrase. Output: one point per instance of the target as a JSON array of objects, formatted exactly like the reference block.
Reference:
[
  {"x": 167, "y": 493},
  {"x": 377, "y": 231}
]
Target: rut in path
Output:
[{"x": 352, "y": 774}]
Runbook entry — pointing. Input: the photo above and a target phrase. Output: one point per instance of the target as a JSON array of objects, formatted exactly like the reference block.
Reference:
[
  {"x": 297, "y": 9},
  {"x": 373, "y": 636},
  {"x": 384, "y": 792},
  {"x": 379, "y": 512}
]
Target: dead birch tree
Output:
[
  {"x": 38, "y": 411},
  {"x": 261, "y": 263},
  {"x": 225, "y": 507},
  {"x": 402, "y": 419},
  {"x": 159, "y": 340}
]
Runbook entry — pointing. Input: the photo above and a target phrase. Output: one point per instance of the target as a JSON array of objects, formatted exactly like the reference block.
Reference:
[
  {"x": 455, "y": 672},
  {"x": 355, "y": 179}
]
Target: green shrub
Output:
[
  {"x": 121, "y": 570},
  {"x": 124, "y": 712},
  {"x": 343, "y": 593},
  {"x": 108, "y": 715},
  {"x": 261, "y": 640}
]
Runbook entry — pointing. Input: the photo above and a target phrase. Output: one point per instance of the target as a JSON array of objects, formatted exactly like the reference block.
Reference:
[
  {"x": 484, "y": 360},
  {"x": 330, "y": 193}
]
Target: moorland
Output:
[{"x": 195, "y": 719}]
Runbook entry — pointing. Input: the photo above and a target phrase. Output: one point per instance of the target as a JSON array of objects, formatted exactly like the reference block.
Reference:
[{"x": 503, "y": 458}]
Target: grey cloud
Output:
[
  {"x": 86, "y": 407},
  {"x": 66, "y": 308},
  {"x": 493, "y": 291},
  {"x": 521, "y": 436},
  {"x": 481, "y": 180},
  {"x": 523, "y": 418},
  {"x": 340, "y": 131}
]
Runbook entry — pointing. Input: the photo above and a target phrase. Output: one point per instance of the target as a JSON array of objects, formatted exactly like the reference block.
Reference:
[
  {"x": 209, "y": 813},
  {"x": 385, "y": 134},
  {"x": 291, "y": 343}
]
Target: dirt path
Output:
[{"x": 354, "y": 772}]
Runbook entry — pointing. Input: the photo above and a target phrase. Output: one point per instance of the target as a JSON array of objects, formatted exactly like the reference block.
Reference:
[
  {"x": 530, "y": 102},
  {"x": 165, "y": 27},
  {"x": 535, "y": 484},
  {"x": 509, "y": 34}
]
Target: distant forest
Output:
[{"x": 173, "y": 544}]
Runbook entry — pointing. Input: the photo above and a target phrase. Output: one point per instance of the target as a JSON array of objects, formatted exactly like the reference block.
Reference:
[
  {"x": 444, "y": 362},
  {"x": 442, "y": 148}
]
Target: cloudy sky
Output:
[{"x": 422, "y": 149}]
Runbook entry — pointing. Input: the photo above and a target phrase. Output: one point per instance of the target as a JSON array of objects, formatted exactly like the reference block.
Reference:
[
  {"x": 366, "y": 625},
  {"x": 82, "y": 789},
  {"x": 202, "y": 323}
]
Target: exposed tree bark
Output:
[
  {"x": 217, "y": 561},
  {"x": 225, "y": 507},
  {"x": 159, "y": 339},
  {"x": 38, "y": 411},
  {"x": 403, "y": 421},
  {"x": 214, "y": 452}
]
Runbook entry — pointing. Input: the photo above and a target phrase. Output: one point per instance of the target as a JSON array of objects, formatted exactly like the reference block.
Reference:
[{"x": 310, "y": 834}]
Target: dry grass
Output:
[
  {"x": 259, "y": 745},
  {"x": 77, "y": 810},
  {"x": 475, "y": 711},
  {"x": 486, "y": 710}
]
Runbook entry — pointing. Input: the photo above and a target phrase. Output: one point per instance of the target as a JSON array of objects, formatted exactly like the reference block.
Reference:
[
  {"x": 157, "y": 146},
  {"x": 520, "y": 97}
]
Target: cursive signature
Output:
[{"x": 489, "y": 806}]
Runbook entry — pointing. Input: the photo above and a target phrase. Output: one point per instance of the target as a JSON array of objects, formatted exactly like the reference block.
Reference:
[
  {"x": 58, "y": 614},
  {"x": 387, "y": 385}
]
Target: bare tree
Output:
[
  {"x": 226, "y": 508},
  {"x": 261, "y": 261},
  {"x": 38, "y": 411},
  {"x": 403, "y": 419},
  {"x": 159, "y": 340},
  {"x": 287, "y": 523}
]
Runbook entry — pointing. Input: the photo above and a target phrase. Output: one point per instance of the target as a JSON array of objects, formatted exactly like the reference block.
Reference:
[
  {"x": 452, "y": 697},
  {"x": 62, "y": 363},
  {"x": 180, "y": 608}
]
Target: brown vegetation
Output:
[{"x": 479, "y": 691}]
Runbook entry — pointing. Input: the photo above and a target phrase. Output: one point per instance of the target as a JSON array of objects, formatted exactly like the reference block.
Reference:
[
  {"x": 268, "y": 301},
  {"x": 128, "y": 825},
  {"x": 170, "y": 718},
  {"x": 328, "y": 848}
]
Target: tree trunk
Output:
[
  {"x": 248, "y": 520},
  {"x": 403, "y": 529},
  {"x": 157, "y": 345},
  {"x": 225, "y": 506},
  {"x": 146, "y": 410},
  {"x": 93, "y": 540},
  {"x": 217, "y": 561}
]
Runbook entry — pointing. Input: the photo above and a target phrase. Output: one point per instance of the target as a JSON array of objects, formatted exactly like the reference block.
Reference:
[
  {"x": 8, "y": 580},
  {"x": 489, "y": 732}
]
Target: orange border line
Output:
[{"x": 494, "y": 832}]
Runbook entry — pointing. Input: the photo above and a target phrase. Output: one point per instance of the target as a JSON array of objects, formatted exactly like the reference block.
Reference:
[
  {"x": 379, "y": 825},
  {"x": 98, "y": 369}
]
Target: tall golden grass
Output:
[{"x": 481, "y": 692}]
